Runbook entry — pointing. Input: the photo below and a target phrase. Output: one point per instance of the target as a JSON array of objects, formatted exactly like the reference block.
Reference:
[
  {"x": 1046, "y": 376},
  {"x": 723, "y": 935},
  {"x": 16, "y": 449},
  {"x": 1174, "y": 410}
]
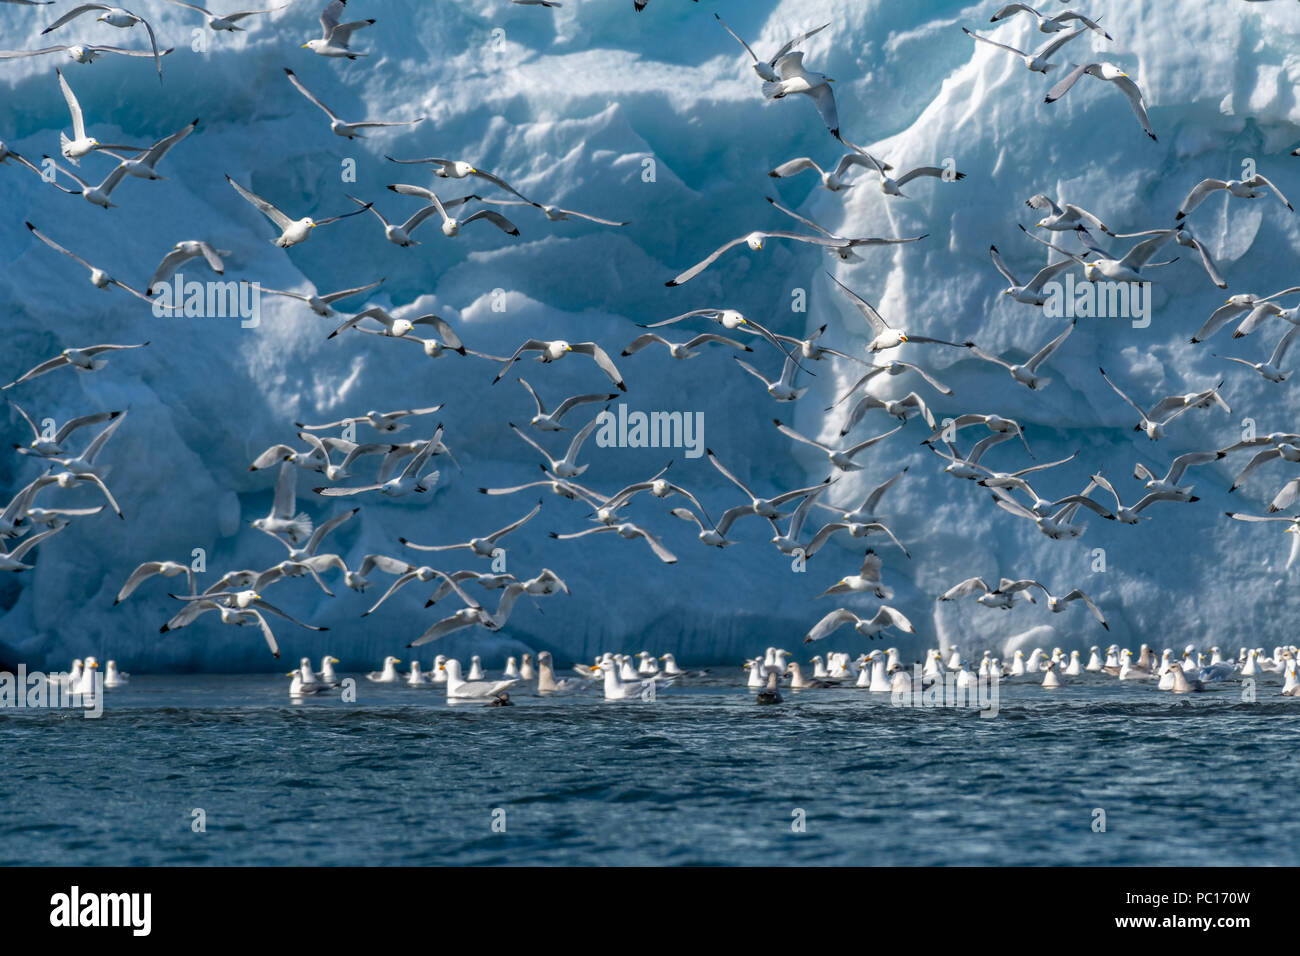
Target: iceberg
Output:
[{"x": 655, "y": 118}]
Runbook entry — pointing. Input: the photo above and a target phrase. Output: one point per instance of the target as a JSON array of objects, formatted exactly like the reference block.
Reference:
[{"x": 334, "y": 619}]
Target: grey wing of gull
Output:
[{"x": 1066, "y": 82}]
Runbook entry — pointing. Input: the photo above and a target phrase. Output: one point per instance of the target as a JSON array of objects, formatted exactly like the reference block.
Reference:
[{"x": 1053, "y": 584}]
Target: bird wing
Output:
[
  {"x": 737, "y": 38},
  {"x": 1002, "y": 266},
  {"x": 345, "y": 492},
  {"x": 603, "y": 360},
  {"x": 789, "y": 432},
  {"x": 794, "y": 166},
  {"x": 494, "y": 217},
  {"x": 1218, "y": 319},
  {"x": 140, "y": 574},
  {"x": 444, "y": 627},
  {"x": 657, "y": 546},
  {"x": 540, "y": 450},
  {"x": 532, "y": 345},
  {"x": 727, "y": 474},
  {"x": 1047, "y": 273},
  {"x": 1140, "y": 254},
  {"x": 576, "y": 445},
  {"x": 1051, "y": 46},
  {"x": 262, "y": 206},
  {"x": 878, "y": 325},
  {"x": 1041, "y": 201},
  {"x": 964, "y": 589},
  {"x": 824, "y": 98},
  {"x": 1066, "y": 82},
  {"x": 318, "y": 535},
  {"x": 873, "y": 500},
  {"x": 753, "y": 371},
  {"x": 984, "y": 39},
  {"x": 703, "y": 264},
  {"x": 1289, "y": 493},
  {"x": 1077, "y": 595},
  {"x": 935, "y": 171},
  {"x": 1045, "y": 352},
  {"x": 48, "y": 365},
  {"x": 1183, "y": 462},
  {"x": 286, "y": 491},
  {"x": 794, "y": 215},
  {"x": 496, "y": 536},
  {"x": 1260, "y": 180},
  {"x": 78, "y": 120},
  {"x": 830, "y": 623},
  {"x": 346, "y": 293},
  {"x": 891, "y": 617},
  {"x": 1121, "y": 394},
  {"x": 1134, "y": 95},
  {"x": 1283, "y": 345},
  {"x": 297, "y": 84},
  {"x": 73, "y": 14},
  {"x": 990, "y": 357}
]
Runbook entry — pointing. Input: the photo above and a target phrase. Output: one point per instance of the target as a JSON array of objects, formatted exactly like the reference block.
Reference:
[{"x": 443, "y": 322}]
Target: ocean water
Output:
[{"x": 701, "y": 775}]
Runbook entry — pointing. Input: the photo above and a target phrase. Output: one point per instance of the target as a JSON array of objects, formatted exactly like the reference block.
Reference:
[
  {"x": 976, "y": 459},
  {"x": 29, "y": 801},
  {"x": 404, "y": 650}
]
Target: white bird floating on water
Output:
[
  {"x": 461, "y": 689},
  {"x": 113, "y": 677},
  {"x": 388, "y": 675}
]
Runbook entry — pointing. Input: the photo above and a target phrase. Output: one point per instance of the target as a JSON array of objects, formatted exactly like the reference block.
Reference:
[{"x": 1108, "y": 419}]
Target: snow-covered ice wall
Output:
[{"x": 655, "y": 118}]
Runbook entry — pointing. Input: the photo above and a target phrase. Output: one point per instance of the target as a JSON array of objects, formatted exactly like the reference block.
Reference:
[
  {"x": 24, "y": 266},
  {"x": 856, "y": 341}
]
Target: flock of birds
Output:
[
  {"x": 332, "y": 451},
  {"x": 884, "y": 672}
]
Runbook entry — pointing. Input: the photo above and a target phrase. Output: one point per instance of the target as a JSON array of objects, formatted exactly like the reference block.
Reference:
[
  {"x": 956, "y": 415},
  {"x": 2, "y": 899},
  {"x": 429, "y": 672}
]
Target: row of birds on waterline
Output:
[
  {"x": 237, "y": 594},
  {"x": 884, "y": 672}
]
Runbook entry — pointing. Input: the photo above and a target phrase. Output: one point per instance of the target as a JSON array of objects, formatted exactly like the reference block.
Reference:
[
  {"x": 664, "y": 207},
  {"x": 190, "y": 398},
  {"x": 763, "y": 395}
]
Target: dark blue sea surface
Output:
[{"x": 701, "y": 775}]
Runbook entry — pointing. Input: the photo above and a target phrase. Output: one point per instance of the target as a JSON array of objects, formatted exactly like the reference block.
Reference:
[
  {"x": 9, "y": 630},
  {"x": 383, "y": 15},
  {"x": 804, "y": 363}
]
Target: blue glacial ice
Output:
[{"x": 655, "y": 118}]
